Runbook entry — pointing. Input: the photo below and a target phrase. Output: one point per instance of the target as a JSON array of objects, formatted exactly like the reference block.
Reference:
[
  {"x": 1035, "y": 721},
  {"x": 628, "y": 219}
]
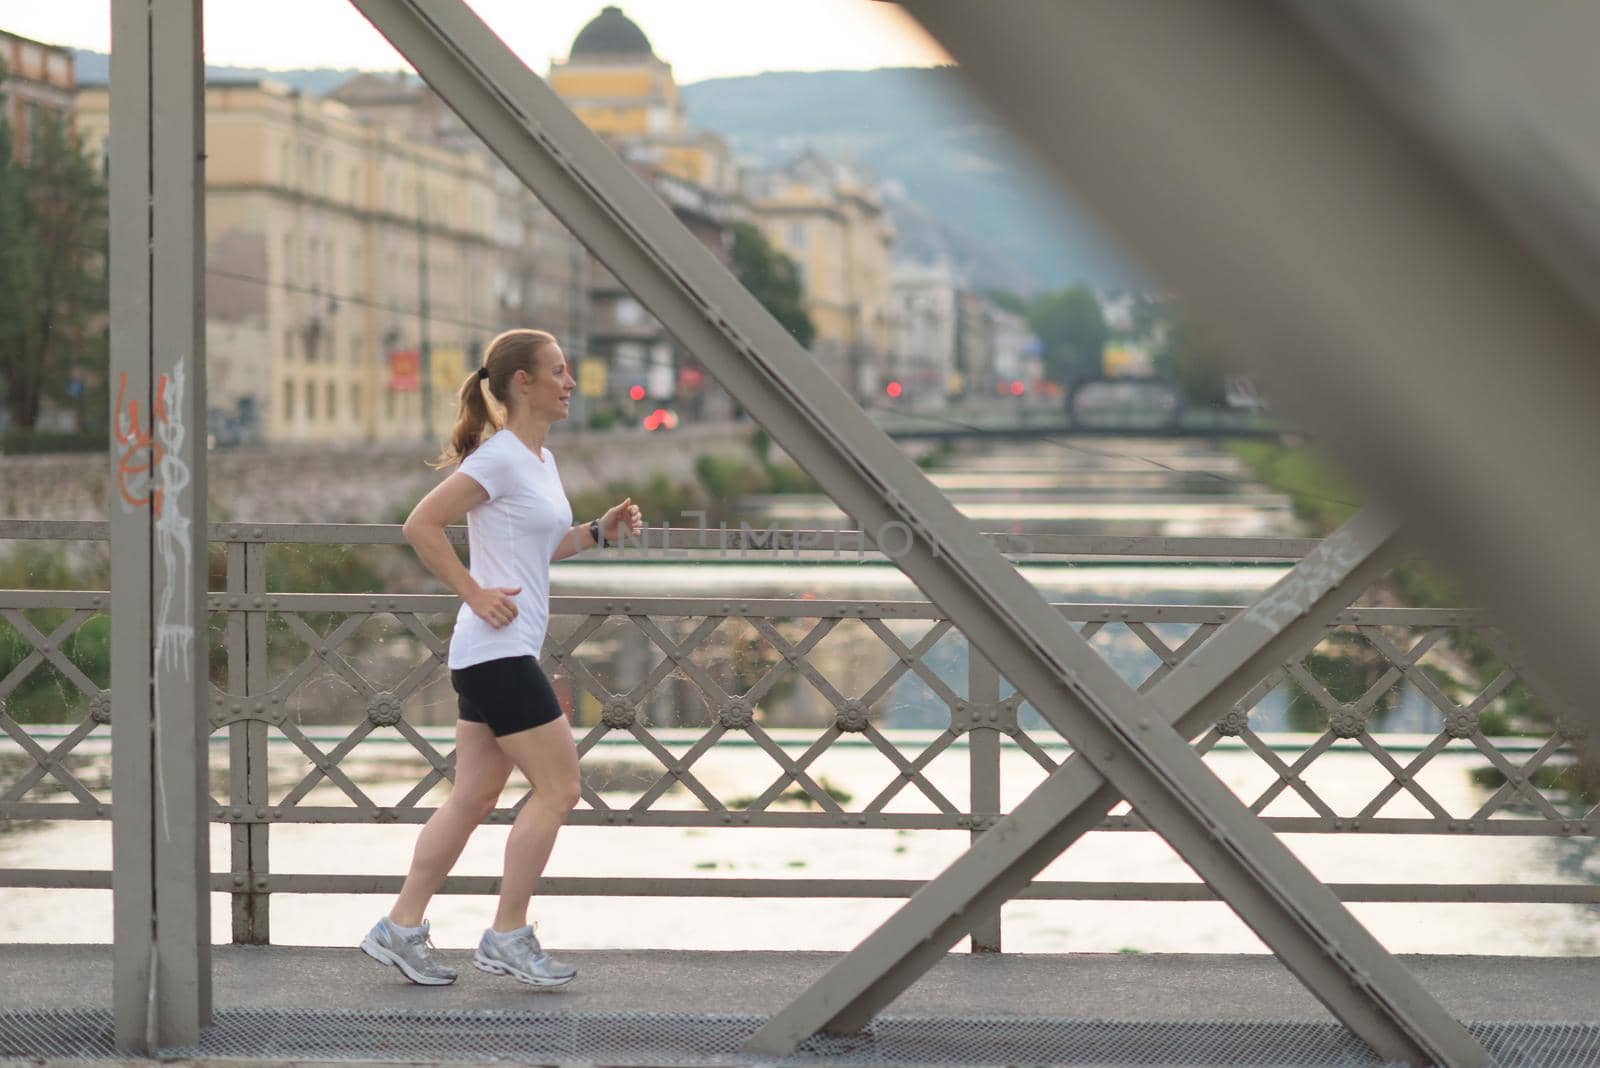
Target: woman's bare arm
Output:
[{"x": 445, "y": 504}]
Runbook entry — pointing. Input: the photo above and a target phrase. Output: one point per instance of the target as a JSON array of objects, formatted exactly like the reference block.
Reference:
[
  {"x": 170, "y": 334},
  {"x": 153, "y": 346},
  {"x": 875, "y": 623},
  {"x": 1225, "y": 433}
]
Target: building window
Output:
[
  {"x": 355, "y": 351},
  {"x": 288, "y": 401},
  {"x": 355, "y": 401},
  {"x": 797, "y": 236},
  {"x": 388, "y": 405},
  {"x": 333, "y": 404},
  {"x": 311, "y": 401},
  {"x": 288, "y": 344}
]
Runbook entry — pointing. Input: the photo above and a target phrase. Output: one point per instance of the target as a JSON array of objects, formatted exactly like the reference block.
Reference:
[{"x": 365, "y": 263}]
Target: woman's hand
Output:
[
  {"x": 621, "y": 518},
  {"x": 493, "y": 604}
]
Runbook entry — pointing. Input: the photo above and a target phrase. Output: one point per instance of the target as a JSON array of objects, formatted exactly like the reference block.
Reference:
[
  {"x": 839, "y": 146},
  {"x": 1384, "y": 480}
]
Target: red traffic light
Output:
[
  {"x": 636, "y": 393},
  {"x": 1017, "y": 388},
  {"x": 893, "y": 389}
]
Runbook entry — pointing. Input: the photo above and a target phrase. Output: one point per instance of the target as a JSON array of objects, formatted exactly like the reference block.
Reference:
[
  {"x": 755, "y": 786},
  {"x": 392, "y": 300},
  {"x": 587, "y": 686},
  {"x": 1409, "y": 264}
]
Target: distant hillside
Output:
[
  {"x": 961, "y": 184},
  {"x": 974, "y": 188},
  {"x": 94, "y": 68}
]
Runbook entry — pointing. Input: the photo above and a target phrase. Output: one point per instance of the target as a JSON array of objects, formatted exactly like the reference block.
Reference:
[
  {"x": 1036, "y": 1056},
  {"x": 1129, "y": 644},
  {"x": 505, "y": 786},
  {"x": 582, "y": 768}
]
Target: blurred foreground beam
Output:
[{"x": 1350, "y": 263}]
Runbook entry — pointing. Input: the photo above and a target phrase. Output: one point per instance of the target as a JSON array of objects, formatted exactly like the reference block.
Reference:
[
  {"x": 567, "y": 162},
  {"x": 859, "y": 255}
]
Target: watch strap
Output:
[{"x": 594, "y": 532}]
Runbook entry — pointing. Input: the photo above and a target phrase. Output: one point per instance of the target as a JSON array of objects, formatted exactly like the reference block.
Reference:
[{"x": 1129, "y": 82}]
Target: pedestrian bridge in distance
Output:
[{"x": 1020, "y": 422}]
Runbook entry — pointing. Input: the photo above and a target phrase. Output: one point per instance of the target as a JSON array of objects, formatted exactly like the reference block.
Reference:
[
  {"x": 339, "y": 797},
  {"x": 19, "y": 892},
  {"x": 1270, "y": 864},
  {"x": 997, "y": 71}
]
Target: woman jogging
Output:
[{"x": 518, "y": 522}]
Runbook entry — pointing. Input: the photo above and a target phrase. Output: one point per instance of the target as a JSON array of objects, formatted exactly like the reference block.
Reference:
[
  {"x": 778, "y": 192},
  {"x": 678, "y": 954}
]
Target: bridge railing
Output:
[{"x": 773, "y": 713}]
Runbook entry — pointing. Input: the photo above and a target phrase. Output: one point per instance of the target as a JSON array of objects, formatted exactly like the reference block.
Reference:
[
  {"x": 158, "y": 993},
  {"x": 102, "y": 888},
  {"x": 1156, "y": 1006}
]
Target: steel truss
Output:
[{"x": 818, "y": 424}]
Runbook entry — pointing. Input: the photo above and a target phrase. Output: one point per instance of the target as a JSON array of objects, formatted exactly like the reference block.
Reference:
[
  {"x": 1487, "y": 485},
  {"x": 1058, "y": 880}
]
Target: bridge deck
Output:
[{"x": 1172, "y": 990}]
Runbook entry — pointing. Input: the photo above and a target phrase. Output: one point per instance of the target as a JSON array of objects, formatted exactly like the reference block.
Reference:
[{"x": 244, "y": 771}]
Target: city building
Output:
[
  {"x": 829, "y": 218},
  {"x": 40, "y": 81},
  {"x": 621, "y": 90},
  {"x": 995, "y": 349},
  {"x": 540, "y": 275},
  {"x": 350, "y": 268},
  {"x": 924, "y": 352}
]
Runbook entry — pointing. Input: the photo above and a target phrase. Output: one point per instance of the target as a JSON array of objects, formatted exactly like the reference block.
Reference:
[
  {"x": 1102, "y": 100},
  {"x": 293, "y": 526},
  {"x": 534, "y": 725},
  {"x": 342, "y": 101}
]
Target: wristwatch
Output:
[{"x": 594, "y": 532}]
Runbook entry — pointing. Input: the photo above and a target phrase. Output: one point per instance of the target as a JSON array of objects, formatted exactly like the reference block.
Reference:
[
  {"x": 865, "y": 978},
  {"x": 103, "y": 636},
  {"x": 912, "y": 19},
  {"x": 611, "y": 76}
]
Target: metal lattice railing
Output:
[{"x": 300, "y": 681}]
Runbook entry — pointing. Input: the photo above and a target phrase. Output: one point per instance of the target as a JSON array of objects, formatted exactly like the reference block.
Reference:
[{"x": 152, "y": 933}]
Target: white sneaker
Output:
[
  {"x": 408, "y": 950},
  {"x": 518, "y": 954}
]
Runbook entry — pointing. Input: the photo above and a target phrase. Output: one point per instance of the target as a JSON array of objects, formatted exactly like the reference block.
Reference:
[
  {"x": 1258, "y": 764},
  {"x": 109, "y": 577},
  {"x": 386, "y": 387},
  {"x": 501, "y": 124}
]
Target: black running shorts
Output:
[{"x": 507, "y": 695}]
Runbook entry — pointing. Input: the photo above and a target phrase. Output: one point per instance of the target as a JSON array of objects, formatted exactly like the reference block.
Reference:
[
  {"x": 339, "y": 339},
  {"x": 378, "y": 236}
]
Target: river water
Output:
[{"x": 1131, "y": 488}]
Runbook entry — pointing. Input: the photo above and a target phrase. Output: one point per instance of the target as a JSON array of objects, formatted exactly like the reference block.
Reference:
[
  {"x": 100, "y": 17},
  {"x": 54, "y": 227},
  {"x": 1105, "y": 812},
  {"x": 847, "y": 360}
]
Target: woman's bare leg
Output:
[
  {"x": 547, "y": 756},
  {"x": 481, "y": 773}
]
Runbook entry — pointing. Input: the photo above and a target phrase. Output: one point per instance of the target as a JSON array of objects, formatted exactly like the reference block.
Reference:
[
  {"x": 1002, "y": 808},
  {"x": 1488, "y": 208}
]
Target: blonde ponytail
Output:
[{"x": 513, "y": 351}]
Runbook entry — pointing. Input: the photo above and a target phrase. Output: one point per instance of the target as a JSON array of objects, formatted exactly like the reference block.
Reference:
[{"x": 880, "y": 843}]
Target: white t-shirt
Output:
[{"x": 509, "y": 541}]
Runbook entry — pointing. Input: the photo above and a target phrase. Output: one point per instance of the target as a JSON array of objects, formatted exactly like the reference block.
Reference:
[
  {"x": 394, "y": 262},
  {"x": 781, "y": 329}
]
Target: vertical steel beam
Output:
[
  {"x": 132, "y": 844},
  {"x": 1431, "y": 337},
  {"x": 160, "y": 841},
  {"x": 983, "y": 763},
  {"x": 247, "y": 746},
  {"x": 815, "y": 421}
]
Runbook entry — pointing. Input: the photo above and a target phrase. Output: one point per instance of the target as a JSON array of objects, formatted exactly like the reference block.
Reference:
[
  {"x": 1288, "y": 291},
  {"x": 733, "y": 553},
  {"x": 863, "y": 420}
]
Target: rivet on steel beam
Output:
[
  {"x": 261, "y": 885},
  {"x": 726, "y": 818},
  {"x": 261, "y": 813},
  {"x": 234, "y": 813},
  {"x": 238, "y": 880},
  {"x": 259, "y": 532}
]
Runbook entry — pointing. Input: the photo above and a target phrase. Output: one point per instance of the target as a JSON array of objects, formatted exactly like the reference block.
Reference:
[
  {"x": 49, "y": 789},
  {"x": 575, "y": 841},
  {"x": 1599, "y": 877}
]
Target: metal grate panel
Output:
[{"x": 714, "y": 1040}]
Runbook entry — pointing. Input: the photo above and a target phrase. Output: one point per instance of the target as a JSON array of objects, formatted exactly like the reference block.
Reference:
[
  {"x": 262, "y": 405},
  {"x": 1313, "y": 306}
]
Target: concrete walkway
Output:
[{"x": 1083, "y": 986}]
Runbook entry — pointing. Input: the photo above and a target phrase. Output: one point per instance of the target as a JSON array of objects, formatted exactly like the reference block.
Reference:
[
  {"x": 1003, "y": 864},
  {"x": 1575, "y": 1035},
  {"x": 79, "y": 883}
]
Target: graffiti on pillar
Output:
[
  {"x": 151, "y": 472},
  {"x": 137, "y": 462},
  {"x": 174, "y": 540}
]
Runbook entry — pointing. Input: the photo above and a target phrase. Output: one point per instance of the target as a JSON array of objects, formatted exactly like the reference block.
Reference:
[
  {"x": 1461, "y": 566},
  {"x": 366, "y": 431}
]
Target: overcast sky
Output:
[{"x": 700, "y": 38}]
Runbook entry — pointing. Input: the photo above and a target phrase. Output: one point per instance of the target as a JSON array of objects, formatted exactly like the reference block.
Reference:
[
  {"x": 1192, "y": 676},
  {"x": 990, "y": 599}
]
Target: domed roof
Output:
[{"x": 611, "y": 33}]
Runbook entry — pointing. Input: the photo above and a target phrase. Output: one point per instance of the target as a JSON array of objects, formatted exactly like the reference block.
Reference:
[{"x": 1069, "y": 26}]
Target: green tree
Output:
[
  {"x": 53, "y": 228},
  {"x": 1192, "y": 360},
  {"x": 1072, "y": 329},
  {"x": 773, "y": 279}
]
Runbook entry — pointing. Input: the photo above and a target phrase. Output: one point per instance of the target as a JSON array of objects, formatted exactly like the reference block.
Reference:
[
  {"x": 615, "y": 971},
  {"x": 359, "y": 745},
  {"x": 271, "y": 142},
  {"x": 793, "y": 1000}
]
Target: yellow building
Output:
[
  {"x": 326, "y": 235},
  {"x": 39, "y": 82},
  {"x": 830, "y": 220},
  {"x": 614, "y": 82}
]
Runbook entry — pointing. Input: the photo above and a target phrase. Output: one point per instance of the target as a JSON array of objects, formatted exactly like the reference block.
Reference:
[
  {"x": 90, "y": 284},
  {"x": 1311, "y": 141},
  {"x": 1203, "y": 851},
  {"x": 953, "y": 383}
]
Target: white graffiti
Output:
[{"x": 174, "y": 538}]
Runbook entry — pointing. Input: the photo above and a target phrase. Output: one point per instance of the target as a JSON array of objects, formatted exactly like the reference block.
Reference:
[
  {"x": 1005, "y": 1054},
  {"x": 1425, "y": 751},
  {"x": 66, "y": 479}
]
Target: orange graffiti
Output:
[{"x": 140, "y": 451}]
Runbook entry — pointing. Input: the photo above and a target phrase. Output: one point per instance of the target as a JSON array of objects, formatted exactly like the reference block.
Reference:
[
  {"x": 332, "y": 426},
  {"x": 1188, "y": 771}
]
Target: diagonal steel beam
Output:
[
  {"x": 635, "y": 235},
  {"x": 1430, "y": 315},
  {"x": 1074, "y": 799}
]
